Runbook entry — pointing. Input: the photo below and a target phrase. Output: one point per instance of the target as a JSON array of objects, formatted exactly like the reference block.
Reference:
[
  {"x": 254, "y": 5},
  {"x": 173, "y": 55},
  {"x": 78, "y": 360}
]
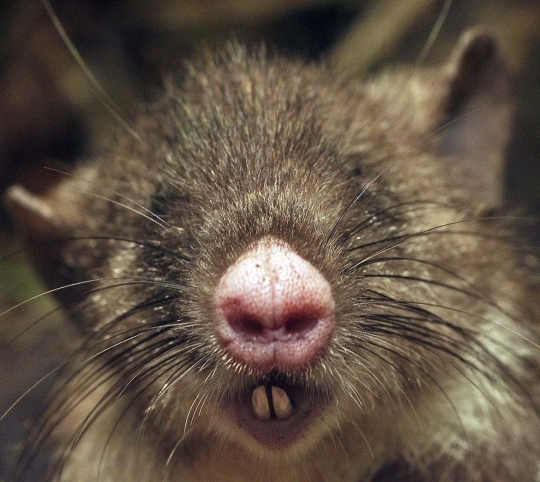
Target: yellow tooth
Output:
[
  {"x": 282, "y": 403},
  {"x": 260, "y": 403}
]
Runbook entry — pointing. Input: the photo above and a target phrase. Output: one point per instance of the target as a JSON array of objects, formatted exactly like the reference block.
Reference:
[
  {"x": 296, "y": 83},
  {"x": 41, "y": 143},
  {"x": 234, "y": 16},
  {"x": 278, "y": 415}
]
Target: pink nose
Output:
[{"x": 274, "y": 309}]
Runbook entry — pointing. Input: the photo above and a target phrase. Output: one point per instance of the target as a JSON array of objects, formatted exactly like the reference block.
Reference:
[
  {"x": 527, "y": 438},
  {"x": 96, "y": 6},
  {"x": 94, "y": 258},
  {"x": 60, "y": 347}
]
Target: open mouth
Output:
[{"x": 276, "y": 413}]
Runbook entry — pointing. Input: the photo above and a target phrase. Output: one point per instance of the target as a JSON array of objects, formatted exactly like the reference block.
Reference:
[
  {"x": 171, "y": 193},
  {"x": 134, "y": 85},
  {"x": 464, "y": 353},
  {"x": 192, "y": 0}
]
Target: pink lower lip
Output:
[{"x": 277, "y": 434}]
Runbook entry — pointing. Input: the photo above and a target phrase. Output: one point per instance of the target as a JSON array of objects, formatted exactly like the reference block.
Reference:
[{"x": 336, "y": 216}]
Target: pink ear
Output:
[
  {"x": 478, "y": 114},
  {"x": 50, "y": 204},
  {"x": 35, "y": 217},
  {"x": 47, "y": 220},
  {"x": 37, "y": 220}
]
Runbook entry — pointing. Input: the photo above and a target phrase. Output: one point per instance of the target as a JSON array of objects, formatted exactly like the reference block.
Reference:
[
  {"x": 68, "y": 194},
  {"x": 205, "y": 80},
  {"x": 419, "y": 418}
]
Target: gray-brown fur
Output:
[{"x": 433, "y": 371}]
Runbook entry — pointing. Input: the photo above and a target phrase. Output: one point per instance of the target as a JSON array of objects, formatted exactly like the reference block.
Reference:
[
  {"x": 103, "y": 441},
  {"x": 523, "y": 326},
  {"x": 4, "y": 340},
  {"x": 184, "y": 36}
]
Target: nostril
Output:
[
  {"x": 246, "y": 325},
  {"x": 300, "y": 324},
  {"x": 250, "y": 327}
]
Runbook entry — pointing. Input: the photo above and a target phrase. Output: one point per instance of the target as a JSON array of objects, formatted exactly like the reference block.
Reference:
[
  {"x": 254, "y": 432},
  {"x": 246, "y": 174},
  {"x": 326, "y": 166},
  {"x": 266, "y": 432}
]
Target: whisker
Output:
[
  {"x": 155, "y": 217},
  {"x": 146, "y": 244},
  {"x": 92, "y": 81},
  {"x": 32, "y": 325},
  {"x": 479, "y": 295},
  {"x": 406, "y": 238},
  {"x": 353, "y": 202},
  {"x": 48, "y": 292},
  {"x": 118, "y": 203},
  {"x": 413, "y": 206},
  {"x": 433, "y": 35}
]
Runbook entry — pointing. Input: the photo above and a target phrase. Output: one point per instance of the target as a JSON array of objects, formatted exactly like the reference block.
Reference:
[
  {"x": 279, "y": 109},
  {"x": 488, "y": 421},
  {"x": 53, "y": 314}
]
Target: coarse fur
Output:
[{"x": 388, "y": 188}]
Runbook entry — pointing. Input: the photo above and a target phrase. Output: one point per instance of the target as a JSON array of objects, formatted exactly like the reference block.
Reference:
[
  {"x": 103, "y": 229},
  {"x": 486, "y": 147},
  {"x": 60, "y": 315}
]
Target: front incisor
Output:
[
  {"x": 282, "y": 403},
  {"x": 260, "y": 403}
]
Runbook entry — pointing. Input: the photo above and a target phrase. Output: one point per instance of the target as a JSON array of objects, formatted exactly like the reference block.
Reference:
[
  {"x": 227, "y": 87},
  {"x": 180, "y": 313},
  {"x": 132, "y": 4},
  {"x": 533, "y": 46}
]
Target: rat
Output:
[{"x": 287, "y": 274}]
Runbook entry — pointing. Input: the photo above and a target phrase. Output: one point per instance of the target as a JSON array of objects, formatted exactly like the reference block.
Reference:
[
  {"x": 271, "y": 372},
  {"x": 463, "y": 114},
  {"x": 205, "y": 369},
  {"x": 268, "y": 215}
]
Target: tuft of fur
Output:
[{"x": 386, "y": 188}]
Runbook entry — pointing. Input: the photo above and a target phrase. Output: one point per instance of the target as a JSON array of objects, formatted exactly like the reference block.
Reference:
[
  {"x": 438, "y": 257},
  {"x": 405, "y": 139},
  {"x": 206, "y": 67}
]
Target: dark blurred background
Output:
[{"x": 49, "y": 115}]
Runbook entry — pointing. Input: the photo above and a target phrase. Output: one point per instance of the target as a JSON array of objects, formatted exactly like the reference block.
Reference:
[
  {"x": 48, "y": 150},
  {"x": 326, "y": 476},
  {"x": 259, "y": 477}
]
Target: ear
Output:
[
  {"x": 477, "y": 114},
  {"x": 47, "y": 216},
  {"x": 38, "y": 208}
]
